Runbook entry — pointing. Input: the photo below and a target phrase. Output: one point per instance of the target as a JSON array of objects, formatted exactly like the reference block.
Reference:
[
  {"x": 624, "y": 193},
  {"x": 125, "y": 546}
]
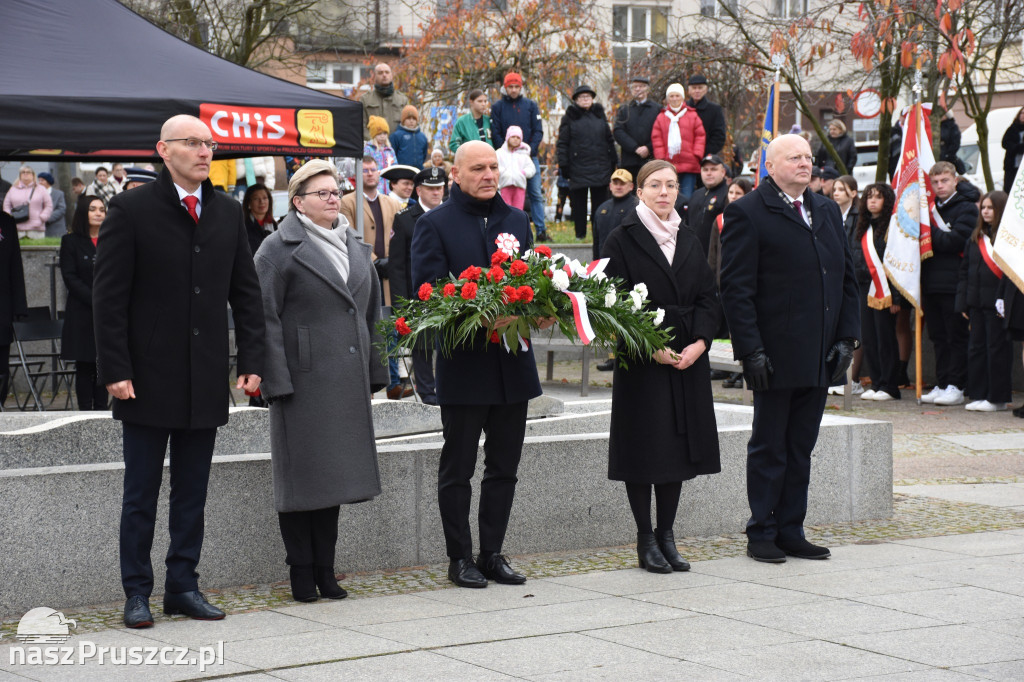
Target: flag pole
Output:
[
  {"x": 778, "y": 59},
  {"x": 925, "y": 214}
]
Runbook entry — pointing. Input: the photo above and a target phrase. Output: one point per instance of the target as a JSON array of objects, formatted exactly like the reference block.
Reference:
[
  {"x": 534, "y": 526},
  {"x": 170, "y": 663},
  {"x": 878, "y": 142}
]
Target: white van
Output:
[{"x": 998, "y": 121}]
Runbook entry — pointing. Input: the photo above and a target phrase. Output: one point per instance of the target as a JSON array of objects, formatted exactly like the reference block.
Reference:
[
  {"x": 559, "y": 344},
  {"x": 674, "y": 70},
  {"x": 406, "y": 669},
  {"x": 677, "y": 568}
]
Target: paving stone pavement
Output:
[{"x": 934, "y": 593}]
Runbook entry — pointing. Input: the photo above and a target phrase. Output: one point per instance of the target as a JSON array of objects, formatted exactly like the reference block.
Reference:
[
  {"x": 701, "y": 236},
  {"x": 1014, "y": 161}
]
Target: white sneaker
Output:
[
  {"x": 973, "y": 406},
  {"x": 951, "y": 396},
  {"x": 836, "y": 390},
  {"x": 881, "y": 396},
  {"x": 867, "y": 395},
  {"x": 986, "y": 406},
  {"x": 857, "y": 389},
  {"x": 932, "y": 395}
]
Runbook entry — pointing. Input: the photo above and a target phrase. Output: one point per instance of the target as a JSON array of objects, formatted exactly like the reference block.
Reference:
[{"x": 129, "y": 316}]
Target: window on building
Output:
[
  {"x": 634, "y": 31},
  {"x": 713, "y": 8},
  {"x": 790, "y": 9},
  {"x": 335, "y": 76},
  {"x": 445, "y": 7}
]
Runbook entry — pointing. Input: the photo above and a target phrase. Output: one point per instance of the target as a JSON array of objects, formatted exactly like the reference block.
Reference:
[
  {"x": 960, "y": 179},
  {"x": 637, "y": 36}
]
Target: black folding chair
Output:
[{"x": 34, "y": 364}]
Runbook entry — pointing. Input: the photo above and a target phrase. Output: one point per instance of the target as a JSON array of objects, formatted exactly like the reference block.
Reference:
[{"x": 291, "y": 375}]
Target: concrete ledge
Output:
[{"x": 61, "y": 522}]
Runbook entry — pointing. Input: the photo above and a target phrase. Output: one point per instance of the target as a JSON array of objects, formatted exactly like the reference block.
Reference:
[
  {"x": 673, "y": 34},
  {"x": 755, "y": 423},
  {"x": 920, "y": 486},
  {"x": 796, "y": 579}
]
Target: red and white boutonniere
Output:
[{"x": 508, "y": 243}]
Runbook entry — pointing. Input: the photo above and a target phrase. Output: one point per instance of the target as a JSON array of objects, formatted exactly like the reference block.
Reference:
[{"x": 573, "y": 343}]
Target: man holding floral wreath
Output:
[{"x": 481, "y": 387}]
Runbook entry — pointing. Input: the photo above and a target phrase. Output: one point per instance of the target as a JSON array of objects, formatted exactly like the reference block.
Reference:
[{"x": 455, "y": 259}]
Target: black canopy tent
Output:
[{"x": 96, "y": 81}]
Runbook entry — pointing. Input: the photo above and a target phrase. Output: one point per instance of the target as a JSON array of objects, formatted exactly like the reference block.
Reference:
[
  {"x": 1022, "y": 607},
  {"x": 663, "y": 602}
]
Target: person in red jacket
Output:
[{"x": 678, "y": 137}]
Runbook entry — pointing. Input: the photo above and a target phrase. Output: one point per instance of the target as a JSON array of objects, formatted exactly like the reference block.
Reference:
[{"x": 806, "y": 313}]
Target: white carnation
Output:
[
  {"x": 641, "y": 289},
  {"x": 638, "y": 301},
  {"x": 659, "y": 317},
  {"x": 609, "y": 298},
  {"x": 600, "y": 276},
  {"x": 526, "y": 254},
  {"x": 560, "y": 280}
]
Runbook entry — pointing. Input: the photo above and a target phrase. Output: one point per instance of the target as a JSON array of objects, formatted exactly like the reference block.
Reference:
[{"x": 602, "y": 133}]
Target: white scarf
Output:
[
  {"x": 675, "y": 139},
  {"x": 331, "y": 242}
]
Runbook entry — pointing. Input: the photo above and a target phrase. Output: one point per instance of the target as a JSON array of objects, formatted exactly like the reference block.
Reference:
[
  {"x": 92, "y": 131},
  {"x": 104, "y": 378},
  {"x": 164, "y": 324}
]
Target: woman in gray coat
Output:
[{"x": 321, "y": 298}]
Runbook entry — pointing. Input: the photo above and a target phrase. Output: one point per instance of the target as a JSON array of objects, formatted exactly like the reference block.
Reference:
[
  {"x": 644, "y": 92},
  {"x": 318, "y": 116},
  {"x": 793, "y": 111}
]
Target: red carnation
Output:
[
  {"x": 469, "y": 291},
  {"x": 471, "y": 273},
  {"x": 496, "y": 274},
  {"x": 543, "y": 250},
  {"x": 509, "y": 295},
  {"x": 518, "y": 268},
  {"x": 494, "y": 337},
  {"x": 425, "y": 291},
  {"x": 547, "y": 273},
  {"x": 525, "y": 294},
  {"x": 449, "y": 290},
  {"x": 498, "y": 257},
  {"x": 402, "y": 327}
]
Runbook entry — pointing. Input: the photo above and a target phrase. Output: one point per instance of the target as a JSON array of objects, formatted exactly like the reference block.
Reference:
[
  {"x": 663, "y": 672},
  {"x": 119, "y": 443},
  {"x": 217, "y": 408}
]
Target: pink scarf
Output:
[{"x": 663, "y": 231}]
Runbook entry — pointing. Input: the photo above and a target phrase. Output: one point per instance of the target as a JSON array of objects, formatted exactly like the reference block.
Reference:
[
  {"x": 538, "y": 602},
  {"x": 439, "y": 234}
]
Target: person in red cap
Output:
[{"x": 515, "y": 110}]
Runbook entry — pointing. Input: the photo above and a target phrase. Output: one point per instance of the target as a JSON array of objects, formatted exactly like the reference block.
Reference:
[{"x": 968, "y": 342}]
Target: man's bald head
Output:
[
  {"x": 788, "y": 161},
  {"x": 475, "y": 170},
  {"x": 173, "y": 126}
]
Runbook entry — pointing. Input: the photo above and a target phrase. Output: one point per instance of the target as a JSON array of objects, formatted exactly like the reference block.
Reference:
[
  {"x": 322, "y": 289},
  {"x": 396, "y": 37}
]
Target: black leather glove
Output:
[
  {"x": 381, "y": 266},
  {"x": 756, "y": 370},
  {"x": 842, "y": 353}
]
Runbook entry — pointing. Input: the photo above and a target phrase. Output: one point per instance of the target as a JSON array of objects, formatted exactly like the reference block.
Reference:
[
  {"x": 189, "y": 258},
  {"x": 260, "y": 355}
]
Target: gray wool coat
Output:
[{"x": 321, "y": 367}]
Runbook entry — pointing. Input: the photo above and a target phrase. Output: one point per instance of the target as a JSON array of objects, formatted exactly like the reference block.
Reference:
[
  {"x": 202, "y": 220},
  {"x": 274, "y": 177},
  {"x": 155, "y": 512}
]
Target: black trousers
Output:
[
  {"x": 947, "y": 330},
  {"x": 505, "y": 428},
  {"x": 5, "y": 372},
  {"x": 423, "y": 373},
  {"x": 310, "y": 537},
  {"x": 578, "y": 201},
  {"x": 989, "y": 358},
  {"x": 191, "y": 454},
  {"x": 881, "y": 350},
  {"x": 785, "y": 430},
  {"x": 91, "y": 394}
]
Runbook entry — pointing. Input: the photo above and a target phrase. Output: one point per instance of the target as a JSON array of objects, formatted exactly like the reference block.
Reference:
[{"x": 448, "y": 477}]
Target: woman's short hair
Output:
[
  {"x": 849, "y": 182},
  {"x": 838, "y": 124},
  {"x": 28, "y": 168},
  {"x": 307, "y": 172},
  {"x": 650, "y": 168},
  {"x": 473, "y": 94},
  {"x": 251, "y": 190},
  {"x": 80, "y": 220}
]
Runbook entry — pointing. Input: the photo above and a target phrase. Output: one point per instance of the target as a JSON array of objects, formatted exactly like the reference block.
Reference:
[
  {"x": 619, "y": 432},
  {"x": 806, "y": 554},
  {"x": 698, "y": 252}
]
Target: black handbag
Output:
[{"x": 20, "y": 213}]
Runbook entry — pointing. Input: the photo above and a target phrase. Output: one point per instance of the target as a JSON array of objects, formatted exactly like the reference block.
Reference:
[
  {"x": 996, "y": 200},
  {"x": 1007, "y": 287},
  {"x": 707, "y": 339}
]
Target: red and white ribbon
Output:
[
  {"x": 879, "y": 296},
  {"x": 580, "y": 316},
  {"x": 985, "y": 246},
  {"x": 524, "y": 345}
]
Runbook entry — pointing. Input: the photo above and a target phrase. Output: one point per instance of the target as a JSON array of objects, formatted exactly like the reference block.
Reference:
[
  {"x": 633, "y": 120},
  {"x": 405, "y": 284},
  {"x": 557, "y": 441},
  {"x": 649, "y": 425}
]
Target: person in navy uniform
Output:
[
  {"x": 480, "y": 386},
  {"x": 171, "y": 255},
  {"x": 790, "y": 297}
]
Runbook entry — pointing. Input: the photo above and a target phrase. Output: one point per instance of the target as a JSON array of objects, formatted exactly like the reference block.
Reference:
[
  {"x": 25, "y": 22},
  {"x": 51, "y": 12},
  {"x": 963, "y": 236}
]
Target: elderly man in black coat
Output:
[
  {"x": 633, "y": 125},
  {"x": 480, "y": 387},
  {"x": 790, "y": 297},
  {"x": 711, "y": 114},
  {"x": 172, "y": 254}
]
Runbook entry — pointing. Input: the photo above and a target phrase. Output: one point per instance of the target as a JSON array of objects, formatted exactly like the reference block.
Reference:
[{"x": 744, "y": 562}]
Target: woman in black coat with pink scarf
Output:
[{"x": 663, "y": 428}]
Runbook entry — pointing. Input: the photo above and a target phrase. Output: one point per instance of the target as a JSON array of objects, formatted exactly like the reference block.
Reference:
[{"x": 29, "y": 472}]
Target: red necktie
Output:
[
  {"x": 190, "y": 204},
  {"x": 796, "y": 203}
]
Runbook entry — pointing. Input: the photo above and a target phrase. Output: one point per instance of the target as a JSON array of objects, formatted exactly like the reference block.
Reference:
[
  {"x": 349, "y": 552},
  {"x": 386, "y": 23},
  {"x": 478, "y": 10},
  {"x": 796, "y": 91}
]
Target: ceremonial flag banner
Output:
[
  {"x": 767, "y": 134},
  {"x": 1008, "y": 250},
  {"x": 909, "y": 240}
]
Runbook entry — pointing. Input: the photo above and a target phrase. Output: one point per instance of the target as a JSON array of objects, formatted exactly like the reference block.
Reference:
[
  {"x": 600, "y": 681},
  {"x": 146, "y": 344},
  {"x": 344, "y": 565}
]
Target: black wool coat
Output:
[
  {"x": 160, "y": 295},
  {"x": 663, "y": 425},
  {"x": 77, "y": 255},
  {"x": 1013, "y": 143},
  {"x": 713, "y": 117},
  {"x": 941, "y": 272},
  {"x": 633, "y": 125},
  {"x": 255, "y": 232},
  {"x": 459, "y": 233},
  {"x": 786, "y": 287},
  {"x": 706, "y": 205},
  {"x": 608, "y": 216},
  {"x": 586, "y": 150},
  {"x": 12, "y": 279},
  {"x": 845, "y": 148},
  {"x": 978, "y": 286},
  {"x": 400, "y": 251}
]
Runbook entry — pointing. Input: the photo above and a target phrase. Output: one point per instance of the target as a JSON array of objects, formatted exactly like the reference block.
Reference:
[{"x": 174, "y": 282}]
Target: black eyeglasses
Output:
[
  {"x": 324, "y": 194},
  {"x": 194, "y": 143}
]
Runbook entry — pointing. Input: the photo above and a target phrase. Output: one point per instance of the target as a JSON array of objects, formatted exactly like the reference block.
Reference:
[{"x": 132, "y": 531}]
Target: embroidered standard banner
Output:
[
  {"x": 879, "y": 296},
  {"x": 1008, "y": 249}
]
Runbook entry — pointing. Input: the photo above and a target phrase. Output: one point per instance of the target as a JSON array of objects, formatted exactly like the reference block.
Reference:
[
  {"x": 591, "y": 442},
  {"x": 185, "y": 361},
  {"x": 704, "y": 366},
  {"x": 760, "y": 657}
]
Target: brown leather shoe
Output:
[{"x": 400, "y": 391}]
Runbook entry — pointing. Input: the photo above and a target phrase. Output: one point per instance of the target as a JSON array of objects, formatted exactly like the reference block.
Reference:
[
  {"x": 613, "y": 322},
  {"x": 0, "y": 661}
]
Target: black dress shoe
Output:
[
  {"x": 192, "y": 604},
  {"x": 303, "y": 583},
  {"x": 137, "y": 613},
  {"x": 649, "y": 555},
  {"x": 327, "y": 583},
  {"x": 802, "y": 549},
  {"x": 1018, "y": 411},
  {"x": 606, "y": 366},
  {"x": 543, "y": 237},
  {"x": 667, "y": 544},
  {"x": 765, "y": 551},
  {"x": 464, "y": 573},
  {"x": 495, "y": 567},
  {"x": 719, "y": 374}
]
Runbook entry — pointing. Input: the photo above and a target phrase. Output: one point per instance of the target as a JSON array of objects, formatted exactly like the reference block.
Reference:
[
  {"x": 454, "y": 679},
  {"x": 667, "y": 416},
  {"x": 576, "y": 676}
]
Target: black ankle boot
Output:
[
  {"x": 648, "y": 554},
  {"x": 303, "y": 583},
  {"x": 667, "y": 545},
  {"x": 327, "y": 582}
]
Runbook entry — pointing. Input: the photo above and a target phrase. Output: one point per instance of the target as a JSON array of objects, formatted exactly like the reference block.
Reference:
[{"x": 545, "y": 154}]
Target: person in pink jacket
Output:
[
  {"x": 515, "y": 167},
  {"x": 40, "y": 206},
  {"x": 678, "y": 137}
]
